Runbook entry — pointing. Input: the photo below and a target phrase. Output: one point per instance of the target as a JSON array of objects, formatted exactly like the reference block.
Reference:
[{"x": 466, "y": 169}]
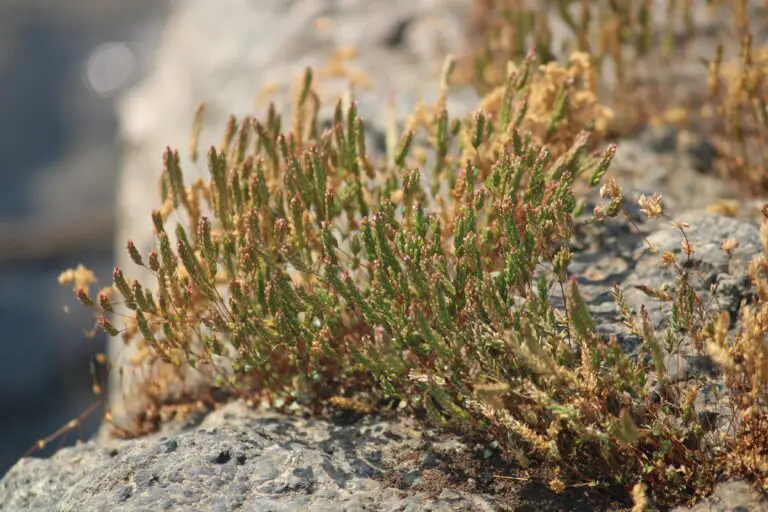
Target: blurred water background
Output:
[{"x": 63, "y": 64}]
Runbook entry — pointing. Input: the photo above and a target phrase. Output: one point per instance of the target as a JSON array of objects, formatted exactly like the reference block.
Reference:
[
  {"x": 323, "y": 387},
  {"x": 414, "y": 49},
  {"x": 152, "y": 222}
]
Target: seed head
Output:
[
  {"x": 81, "y": 277},
  {"x": 651, "y": 206},
  {"x": 478, "y": 129},
  {"x": 104, "y": 303},
  {"x": 122, "y": 285},
  {"x": 687, "y": 247},
  {"x": 727, "y": 246},
  {"x": 82, "y": 296},
  {"x": 107, "y": 326},
  {"x": 154, "y": 261},
  {"x": 611, "y": 189},
  {"x": 134, "y": 253}
]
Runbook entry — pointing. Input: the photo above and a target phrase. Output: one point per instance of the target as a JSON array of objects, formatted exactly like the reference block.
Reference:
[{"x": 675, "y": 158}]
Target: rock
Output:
[
  {"x": 651, "y": 162},
  {"x": 734, "y": 496},
  {"x": 660, "y": 139},
  {"x": 701, "y": 151},
  {"x": 690, "y": 366},
  {"x": 240, "y": 459},
  {"x": 708, "y": 265}
]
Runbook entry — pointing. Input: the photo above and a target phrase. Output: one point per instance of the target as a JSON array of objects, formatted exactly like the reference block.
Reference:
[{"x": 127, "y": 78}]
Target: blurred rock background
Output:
[{"x": 62, "y": 67}]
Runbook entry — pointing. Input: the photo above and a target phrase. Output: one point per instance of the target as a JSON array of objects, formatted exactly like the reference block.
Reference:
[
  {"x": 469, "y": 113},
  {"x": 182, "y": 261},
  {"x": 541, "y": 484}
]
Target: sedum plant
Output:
[{"x": 310, "y": 270}]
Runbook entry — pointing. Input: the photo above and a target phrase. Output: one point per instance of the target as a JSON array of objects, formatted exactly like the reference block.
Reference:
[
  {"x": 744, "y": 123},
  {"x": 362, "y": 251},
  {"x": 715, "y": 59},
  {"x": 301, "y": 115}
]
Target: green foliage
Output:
[{"x": 320, "y": 271}]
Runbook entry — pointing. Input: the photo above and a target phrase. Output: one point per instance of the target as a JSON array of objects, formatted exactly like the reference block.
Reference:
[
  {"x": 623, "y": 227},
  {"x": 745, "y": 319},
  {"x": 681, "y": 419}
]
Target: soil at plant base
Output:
[{"x": 515, "y": 489}]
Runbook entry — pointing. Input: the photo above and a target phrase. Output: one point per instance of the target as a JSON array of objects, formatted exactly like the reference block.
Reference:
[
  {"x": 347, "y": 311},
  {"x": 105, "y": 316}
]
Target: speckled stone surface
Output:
[{"x": 236, "y": 459}]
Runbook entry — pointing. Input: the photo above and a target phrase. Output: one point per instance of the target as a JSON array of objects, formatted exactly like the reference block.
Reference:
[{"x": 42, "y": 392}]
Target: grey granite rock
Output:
[
  {"x": 239, "y": 459},
  {"x": 707, "y": 266},
  {"x": 735, "y": 496},
  {"x": 660, "y": 159}
]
